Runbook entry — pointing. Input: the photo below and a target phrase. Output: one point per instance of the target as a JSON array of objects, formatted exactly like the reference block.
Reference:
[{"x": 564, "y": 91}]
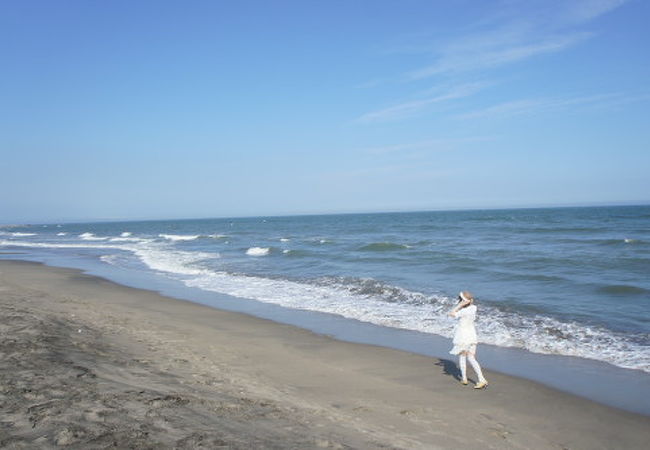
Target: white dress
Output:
[{"x": 465, "y": 336}]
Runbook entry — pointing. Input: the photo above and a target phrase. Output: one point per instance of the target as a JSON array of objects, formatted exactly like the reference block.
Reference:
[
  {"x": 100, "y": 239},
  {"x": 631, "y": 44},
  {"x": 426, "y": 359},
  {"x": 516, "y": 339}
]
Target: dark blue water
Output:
[{"x": 566, "y": 281}]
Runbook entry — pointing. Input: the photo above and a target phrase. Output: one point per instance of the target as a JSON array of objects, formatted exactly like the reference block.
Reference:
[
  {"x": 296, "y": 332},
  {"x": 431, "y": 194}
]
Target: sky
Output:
[{"x": 115, "y": 110}]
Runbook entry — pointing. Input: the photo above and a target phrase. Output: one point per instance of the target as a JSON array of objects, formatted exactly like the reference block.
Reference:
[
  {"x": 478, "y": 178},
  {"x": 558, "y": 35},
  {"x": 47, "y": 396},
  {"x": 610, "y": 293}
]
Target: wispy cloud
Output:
[
  {"x": 580, "y": 11},
  {"x": 465, "y": 58},
  {"x": 412, "y": 107},
  {"x": 523, "y": 30},
  {"x": 520, "y": 30},
  {"x": 540, "y": 105}
]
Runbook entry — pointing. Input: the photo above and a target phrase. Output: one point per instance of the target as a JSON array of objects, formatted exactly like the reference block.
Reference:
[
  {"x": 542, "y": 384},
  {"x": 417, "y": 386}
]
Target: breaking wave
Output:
[
  {"x": 258, "y": 251},
  {"x": 372, "y": 301},
  {"x": 180, "y": 237},
  {"x": 91, "y": 237},
  {"x": 369, "y": 299}
]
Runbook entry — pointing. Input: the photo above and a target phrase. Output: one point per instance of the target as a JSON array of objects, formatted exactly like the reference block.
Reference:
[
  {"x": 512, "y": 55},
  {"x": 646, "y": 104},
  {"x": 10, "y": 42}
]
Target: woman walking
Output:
[{"x": 465, "y": 338}]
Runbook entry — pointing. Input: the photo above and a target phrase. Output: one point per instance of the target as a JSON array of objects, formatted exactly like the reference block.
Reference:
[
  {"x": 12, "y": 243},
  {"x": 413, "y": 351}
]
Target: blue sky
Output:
[{"x": 168, "y": 109}]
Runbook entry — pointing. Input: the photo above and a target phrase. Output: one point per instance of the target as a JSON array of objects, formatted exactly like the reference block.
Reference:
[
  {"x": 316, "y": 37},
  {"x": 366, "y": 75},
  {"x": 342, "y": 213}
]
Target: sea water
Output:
[{"x": 564, "y": 281}]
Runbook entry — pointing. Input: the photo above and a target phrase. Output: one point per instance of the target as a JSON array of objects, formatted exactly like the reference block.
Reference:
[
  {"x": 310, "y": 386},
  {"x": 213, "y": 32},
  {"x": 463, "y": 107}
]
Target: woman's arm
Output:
[{"x": 458, "y": 307}]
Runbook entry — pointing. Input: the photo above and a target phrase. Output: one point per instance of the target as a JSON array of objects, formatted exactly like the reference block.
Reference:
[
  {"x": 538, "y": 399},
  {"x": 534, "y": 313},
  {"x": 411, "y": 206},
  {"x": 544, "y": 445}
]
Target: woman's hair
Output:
[{"x": 466, "y": 295}]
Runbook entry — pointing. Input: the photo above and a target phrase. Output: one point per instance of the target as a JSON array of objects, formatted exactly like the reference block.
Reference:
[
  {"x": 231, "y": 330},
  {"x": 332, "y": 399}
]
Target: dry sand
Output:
[{"x": 87, "y": 363}]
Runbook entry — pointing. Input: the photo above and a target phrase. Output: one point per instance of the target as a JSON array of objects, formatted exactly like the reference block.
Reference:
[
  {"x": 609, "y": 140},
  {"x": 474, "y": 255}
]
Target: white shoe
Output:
[{"x": 481, "y": 385}]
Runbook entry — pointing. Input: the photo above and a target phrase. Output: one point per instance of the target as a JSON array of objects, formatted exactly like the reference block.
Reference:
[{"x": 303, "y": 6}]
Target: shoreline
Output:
[
  {"x": 587, "y": 378},
  {"x": 175, "y": 373}
]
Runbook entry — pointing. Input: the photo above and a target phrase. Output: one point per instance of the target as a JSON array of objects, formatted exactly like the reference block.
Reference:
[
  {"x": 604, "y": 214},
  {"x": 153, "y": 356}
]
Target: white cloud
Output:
[
  {"x": 523, "y": 30},
  {"x": 465, "y": 58},
  {"x": 534, "y": 106},
  {"x": 520, "y": 30},
  {"x": 580, "y": 11},
  {"x": 410, "y": 108}
]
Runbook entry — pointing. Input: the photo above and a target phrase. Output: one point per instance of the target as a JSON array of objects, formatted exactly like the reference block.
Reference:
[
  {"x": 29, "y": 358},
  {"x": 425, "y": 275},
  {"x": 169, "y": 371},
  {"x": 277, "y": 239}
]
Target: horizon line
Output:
[{"x": 339, "y": 213}]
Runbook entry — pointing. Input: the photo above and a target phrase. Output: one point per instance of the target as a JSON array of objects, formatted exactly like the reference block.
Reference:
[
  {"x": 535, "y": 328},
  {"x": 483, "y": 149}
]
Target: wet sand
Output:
[{"x": 87, "y": 363}]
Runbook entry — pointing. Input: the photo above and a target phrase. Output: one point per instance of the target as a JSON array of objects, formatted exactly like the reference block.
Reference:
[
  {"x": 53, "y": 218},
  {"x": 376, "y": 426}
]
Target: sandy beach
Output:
[{"x": 87, "y": 363}]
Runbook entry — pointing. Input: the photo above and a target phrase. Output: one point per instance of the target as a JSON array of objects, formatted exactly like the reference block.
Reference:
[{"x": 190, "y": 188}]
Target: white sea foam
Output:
[
  {"x": 416, "y": 311},
  {"x": 173, "y": 261},
  {"x": 157, "y": 256},
  {"x": 160, "y": 257},
  {"x": 126, "y": 234},
  {"x": 18, "y": 234},
  {"x": 258, "y": 251},
  {"x": 180, "y": 237},
  {"x": 109, "y": 259},
  {"x": 284, "y": 239},
  {"x": 61, "y": 234},
  {"x": 91, "y": 237},
  {"x": 128, "y": 239},
  {"x": 371, "y": 301},
  {"x": 52, "y": 245}
]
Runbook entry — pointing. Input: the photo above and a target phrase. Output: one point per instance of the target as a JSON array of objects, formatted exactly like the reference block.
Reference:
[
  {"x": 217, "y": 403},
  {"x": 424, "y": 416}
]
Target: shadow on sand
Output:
[{"x": 449, "y": 368}]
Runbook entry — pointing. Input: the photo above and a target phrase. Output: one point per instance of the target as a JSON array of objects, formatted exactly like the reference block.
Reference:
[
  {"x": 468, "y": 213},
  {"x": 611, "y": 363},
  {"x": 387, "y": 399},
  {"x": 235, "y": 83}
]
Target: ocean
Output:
[{"x": 562, "y": 281}]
